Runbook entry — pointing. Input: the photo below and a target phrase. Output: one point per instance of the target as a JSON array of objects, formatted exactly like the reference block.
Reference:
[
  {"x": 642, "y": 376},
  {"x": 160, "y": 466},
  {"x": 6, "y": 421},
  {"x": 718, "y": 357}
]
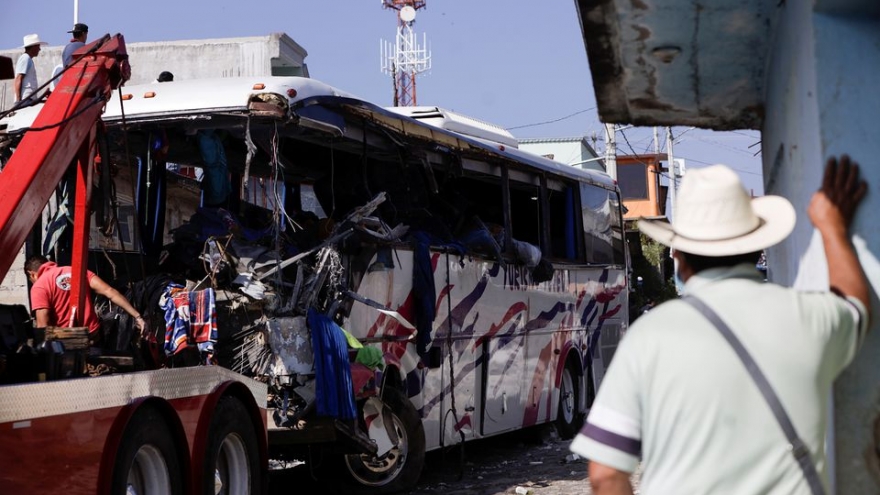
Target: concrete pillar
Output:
[{"x": 821, "y": 101}]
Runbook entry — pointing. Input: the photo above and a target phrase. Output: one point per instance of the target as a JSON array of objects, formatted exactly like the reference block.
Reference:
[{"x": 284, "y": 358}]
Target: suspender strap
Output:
[{"x": 800, "y": 451}]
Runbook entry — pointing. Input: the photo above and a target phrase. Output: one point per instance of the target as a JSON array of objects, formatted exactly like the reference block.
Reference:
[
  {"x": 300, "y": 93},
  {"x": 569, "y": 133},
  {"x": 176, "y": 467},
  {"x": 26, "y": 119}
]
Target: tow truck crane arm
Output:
[{"x": 64, "y": 130}]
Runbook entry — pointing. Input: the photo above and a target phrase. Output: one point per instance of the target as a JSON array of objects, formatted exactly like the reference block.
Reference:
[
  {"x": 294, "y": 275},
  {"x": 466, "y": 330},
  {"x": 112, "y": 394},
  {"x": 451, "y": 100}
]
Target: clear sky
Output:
[{"x": 515, "y": 64}]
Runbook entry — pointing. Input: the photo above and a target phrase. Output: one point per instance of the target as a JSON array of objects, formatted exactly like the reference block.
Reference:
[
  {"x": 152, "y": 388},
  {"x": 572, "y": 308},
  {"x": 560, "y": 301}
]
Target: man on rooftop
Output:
[{"x": 79, "y": 32}]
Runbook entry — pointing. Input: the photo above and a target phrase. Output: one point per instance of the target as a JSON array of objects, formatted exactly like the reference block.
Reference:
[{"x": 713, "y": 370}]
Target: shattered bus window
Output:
[{"x": 363, "y": 262}]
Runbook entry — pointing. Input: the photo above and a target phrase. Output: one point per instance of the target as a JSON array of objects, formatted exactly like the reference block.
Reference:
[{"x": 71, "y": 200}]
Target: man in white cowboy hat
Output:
[
  {"x": 25, "y": 83},
  {"x": 678, "y": 394}
]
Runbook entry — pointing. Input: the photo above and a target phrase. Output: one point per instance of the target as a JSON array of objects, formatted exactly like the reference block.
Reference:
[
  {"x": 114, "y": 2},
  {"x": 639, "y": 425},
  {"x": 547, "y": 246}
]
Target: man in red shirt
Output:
[{"x": 50, "y": 297}]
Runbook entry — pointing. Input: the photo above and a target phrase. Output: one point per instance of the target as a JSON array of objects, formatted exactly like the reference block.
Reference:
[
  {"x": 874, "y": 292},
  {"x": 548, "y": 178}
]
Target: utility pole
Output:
[
  {"x": 673, "y": 174},
  {"x": 610, "y": 151},
  {"x": 656, "y": 140}
]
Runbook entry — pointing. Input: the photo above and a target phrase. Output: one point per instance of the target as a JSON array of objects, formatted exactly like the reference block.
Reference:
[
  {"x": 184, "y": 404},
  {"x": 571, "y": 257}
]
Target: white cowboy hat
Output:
[
  {"x": 31, "y": 40},
  {"x": 714, "y": 216}
]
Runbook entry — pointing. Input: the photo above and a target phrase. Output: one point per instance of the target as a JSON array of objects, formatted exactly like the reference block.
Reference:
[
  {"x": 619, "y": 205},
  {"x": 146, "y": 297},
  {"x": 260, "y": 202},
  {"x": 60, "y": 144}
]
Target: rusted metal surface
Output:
[
  {"x": 292, "y": 346},
  {"x": 677, "y": 63}
]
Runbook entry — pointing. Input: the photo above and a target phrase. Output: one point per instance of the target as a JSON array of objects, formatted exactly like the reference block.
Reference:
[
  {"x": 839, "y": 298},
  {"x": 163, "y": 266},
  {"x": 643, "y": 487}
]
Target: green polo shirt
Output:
[{"x": 677, "y": 396}]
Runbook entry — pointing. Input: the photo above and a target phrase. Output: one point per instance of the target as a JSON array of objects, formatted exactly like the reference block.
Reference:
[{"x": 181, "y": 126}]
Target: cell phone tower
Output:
[{"x": 405, "y": 58}]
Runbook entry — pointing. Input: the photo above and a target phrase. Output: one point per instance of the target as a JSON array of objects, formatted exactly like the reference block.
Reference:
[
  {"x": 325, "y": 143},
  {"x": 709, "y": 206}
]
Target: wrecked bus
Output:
[{"x": 401, "y": 280}]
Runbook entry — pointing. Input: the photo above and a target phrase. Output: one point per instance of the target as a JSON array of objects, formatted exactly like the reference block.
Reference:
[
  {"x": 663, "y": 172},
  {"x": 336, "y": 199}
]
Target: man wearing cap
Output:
[
  {"x": 25, "y": 83},
  {"x": 80, "y": 32},
  {"x": 678, "y": 395}
]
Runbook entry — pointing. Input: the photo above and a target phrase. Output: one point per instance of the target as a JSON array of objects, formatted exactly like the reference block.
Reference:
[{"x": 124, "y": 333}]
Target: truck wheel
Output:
[
  {"x": 568, "y": 418},
  {"x": 232, "y": 455},
  {"x": 147, "y": 460},
  {"x": 399, "y": 469}
]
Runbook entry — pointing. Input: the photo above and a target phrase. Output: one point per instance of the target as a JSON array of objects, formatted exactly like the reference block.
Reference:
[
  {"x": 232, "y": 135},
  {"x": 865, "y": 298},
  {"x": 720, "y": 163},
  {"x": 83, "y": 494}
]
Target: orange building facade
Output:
[{"x": 639, "y": 179}]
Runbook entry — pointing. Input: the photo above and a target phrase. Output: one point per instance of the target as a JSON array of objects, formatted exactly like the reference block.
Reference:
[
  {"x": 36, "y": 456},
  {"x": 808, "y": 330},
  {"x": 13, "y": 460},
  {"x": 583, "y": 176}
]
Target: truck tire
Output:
[
  {"x": 399, "y": 470},
  {"x": 147, "y": 459},
  {"x": 232, "y": 454},
  {"x": 568, "y": 419}
]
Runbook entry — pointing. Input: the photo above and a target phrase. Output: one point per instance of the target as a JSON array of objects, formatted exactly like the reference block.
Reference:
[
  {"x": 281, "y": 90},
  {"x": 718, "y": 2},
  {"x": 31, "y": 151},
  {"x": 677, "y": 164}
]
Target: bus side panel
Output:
[
  {"x": 551, "y": 325},
  {"x": 505, "y": 334},
  {"x": 604, "y": 317},
  {"x": 393, "y": 288}
]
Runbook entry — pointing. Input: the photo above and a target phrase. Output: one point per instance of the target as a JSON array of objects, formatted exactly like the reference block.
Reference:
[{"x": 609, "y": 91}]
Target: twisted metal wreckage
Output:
[{"x": 266, "y": 291}]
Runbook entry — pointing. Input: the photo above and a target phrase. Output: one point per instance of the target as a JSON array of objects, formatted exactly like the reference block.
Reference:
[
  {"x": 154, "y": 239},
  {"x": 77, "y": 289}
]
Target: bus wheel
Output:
[
  {"x": 400, "y": 468},
  {"x": 568, "y": 418},
  {"x": 147, "y": 460},
  {"x": 232, "y": 456}
]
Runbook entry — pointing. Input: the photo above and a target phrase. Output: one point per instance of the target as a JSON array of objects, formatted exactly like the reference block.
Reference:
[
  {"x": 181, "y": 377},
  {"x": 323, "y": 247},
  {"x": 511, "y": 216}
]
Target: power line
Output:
[
  {"x": 631, "y": 148},
  {"x": 743, "y": 134},
  {"x": 551, "y": 121},
  {"x": 728, "y": 166},
  {"x": 715, "y": 143}
]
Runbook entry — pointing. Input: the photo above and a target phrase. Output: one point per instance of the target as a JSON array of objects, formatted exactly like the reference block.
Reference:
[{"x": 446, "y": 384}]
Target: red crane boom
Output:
[{"x": 64, "y": 131}]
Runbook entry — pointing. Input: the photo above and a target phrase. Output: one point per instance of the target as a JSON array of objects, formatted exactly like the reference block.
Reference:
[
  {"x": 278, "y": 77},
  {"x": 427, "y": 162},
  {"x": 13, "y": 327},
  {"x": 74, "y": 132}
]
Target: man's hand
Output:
[
  {"x": 834, "y": 205},
  {"x": 832, "y": 210},
  {"x": 141, "y": 324}
]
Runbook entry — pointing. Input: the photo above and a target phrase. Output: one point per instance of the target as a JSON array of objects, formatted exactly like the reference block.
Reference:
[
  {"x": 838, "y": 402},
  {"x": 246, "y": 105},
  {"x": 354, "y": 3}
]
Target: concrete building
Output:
[
  {"x": 804, "y": 74},
  {"x": 574, "y": 151},
  {"x": 276, "y": 54}
]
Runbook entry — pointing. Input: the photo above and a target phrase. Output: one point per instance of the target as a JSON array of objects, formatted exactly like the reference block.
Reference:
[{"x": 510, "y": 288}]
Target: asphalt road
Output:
[{"x": 534, "y": 459}]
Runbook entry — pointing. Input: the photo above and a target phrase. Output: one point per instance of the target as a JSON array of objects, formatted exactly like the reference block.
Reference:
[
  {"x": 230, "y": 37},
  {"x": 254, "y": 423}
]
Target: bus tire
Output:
[
  {"x": 232, "y": 453},
  {"x": 568, "y": 419},
  {"x": 399, "y": 470},
  {"x": 147, "y": 458}
]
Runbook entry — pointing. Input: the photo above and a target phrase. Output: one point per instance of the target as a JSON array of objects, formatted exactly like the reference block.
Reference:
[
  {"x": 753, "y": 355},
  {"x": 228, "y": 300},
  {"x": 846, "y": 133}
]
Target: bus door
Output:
[
  {"x": 458, "y": 292},
  {"x": 501, "y": 343}
]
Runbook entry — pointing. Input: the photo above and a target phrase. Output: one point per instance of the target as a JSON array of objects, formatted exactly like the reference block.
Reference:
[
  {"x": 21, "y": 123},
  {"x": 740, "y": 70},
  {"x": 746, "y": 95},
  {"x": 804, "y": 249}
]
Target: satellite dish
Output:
[{"x": 407, "y": 14}]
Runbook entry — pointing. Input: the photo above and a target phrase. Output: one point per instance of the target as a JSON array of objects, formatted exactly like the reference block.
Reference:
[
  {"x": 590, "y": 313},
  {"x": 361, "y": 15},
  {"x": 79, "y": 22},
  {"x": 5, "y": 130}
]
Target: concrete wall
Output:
[
  {"x": 822, "y": 101},
  {"x": 14, "y": 287},
  {"x": 275, "y": 54}
]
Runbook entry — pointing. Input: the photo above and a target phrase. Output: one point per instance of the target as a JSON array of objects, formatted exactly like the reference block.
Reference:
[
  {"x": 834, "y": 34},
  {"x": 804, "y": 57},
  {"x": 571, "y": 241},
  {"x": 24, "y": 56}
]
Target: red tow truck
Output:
[{"x": 168, "y": 431}]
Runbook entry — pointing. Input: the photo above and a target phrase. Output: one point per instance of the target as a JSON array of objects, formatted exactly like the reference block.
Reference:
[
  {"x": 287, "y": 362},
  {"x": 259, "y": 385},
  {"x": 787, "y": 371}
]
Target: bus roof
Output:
[
  {"x": 157, "y": 101},
  {"x": 198, "y": 96},
  {"x": 407, "y": 126},
  {"x": 191, "y": 99}
]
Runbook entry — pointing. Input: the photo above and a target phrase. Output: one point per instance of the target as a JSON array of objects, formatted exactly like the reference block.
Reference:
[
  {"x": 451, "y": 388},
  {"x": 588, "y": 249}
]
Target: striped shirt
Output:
[{"x": 677, "y": 396}]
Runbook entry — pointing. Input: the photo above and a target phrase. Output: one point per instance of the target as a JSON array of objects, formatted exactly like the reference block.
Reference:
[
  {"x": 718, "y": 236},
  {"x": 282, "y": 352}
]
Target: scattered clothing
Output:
[
  {"x": 424, "y": 291},
  {"x": 190, "y": 318},
  {"x": 370, "y": 357},
  {"x": 215, "y": 182},
  {"x": 332, "y": 369}
]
